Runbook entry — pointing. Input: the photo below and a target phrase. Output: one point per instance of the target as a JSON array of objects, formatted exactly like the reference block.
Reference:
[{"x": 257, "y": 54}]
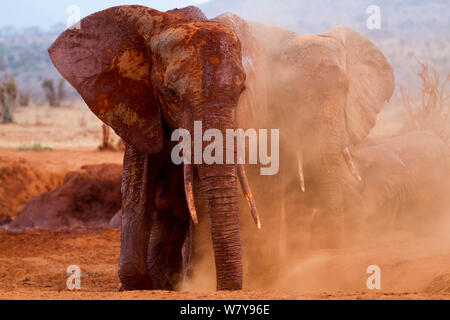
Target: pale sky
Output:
[{"x": 46, "y": 13}]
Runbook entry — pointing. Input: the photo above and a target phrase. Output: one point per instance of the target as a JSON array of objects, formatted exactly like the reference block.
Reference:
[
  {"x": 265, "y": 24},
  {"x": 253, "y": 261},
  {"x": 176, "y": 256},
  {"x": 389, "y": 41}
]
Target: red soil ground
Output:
[{"x": 33, "y": 263}]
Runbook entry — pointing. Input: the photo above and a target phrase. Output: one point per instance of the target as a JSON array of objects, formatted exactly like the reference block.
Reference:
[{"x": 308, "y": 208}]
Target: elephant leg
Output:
[
  {"x": 165, "y": 260},
  {"x": 138, "y": 192},
  {"x": 169, "y": 230}
]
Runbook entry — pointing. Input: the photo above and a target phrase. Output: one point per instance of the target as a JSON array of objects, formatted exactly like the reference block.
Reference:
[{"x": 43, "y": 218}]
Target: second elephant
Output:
[
  {"x": 323, "y": 93},
  {"x": 404, "y": 183}
]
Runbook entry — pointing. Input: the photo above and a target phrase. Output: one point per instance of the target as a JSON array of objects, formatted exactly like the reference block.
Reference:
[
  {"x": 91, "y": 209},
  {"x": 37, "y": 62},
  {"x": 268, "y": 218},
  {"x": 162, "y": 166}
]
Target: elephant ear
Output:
[
  {"x": 371, "y": 81},
  {"x": 108, "y": 63}
]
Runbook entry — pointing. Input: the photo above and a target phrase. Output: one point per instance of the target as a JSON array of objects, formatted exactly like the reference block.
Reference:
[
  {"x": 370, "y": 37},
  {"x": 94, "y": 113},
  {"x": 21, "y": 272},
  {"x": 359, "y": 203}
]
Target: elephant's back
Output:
[
  {"x": 420, "y": 145},
  {"x": 427, "y": 159},
  {"x": 423, "y": 157}
]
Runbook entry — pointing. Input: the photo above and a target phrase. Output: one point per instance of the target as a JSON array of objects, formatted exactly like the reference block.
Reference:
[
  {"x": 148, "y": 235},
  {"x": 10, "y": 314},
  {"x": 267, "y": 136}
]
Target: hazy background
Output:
[{"x": 409, "y": 28}]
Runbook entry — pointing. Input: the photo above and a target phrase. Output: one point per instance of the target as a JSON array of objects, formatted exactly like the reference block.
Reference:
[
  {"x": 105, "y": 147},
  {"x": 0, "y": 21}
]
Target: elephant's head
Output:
[
  {"x": 146, "y": 73},
  {"x": 138, "y": 68}
]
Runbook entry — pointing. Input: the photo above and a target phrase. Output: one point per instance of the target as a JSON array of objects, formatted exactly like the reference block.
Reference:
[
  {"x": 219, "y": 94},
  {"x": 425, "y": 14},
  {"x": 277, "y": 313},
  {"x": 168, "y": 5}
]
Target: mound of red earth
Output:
[
  {"x": 19, "y": 183},
  {"x": 87, "y": 198}
]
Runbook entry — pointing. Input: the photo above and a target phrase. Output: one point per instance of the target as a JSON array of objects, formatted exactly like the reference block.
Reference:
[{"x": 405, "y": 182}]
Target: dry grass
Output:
[
  {"x": 430, "y": 111},
  {"x": 69, "y": 126}
]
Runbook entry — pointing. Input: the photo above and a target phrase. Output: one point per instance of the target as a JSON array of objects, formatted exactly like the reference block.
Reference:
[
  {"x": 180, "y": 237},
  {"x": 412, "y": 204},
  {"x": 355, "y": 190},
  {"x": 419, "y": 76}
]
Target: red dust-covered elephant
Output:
[{"x": 146, "y": 73}]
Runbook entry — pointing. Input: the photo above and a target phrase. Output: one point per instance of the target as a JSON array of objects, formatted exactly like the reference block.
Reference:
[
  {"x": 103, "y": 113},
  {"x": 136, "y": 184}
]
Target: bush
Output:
[{"x": 429, "y": 112}]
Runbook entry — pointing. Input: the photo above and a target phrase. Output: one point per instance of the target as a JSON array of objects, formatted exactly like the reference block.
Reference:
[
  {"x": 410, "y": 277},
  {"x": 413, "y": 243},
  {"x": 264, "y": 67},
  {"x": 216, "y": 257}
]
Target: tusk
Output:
[
  {"x": 351, "y": 164},
  {"x": 248, "y": 194},
  {"x": 189, "y": 191},
  {"x": 300, "y": 171}
]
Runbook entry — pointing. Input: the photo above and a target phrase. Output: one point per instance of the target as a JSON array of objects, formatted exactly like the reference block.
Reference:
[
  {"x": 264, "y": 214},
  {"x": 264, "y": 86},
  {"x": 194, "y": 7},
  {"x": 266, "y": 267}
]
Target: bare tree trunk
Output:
[
  {"x": 50, "y": 93},
  {"x": 61, "y": 90},
  {"x": 24, "y": 99},
  {"x": 106, "y": 144},
  {"x": 7, "y": 102}
]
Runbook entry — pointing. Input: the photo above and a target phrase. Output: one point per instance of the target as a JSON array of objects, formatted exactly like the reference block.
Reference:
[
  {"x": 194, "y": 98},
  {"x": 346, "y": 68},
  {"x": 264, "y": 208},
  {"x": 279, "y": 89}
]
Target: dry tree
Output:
[
  {"x": 108, "y": 142},
  {"x": 8, "y": 98},
  {"x": 50, "y": 93},
  {"x": 106, "y": 145},
  {"x": 24, "y": 99},
  {"x": 5, "y": 114},
  {"x": 62, "y": 93},
  {"x": 429, "y": 112}
]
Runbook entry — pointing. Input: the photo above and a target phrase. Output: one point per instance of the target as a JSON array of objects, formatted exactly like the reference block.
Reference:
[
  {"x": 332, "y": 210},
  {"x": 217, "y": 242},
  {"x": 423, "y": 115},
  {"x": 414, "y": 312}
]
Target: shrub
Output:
[{"x": 430, "y": 111}]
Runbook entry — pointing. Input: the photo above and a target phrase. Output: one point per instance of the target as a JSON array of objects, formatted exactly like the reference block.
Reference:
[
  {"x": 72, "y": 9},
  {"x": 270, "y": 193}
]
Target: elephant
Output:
[
  {"x": 146, "y": 73},
  {"x": 403, "y": 184},
  {"x": 323, "y": 92}
]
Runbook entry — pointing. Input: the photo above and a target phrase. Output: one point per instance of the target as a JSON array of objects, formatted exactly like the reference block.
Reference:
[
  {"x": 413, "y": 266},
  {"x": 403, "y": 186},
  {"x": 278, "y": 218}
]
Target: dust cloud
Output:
[
  {"x": 410, "y": 261},
  {"x": 406, "y": 234}
]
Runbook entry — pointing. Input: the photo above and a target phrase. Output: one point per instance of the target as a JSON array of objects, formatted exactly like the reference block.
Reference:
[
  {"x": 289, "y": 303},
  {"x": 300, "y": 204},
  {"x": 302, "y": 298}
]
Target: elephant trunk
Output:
[
  {"x": 219, "y": 188},
  {"x": 327, "y": 225}
]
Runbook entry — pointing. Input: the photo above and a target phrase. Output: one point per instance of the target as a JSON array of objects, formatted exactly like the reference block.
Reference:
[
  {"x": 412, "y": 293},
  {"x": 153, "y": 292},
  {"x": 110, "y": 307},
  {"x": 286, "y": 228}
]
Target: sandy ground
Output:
[
  {"x": 59, "y": 128},
  {"x": 33, "y": 264}
]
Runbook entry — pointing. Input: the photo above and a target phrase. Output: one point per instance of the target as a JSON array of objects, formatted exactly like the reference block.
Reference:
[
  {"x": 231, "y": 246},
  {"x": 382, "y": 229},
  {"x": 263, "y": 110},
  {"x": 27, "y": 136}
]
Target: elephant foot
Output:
[
  {"x": 141, "y": 285},
  {"x": 326, "y": 233},
  {"x": 134, "y": 280},
  {"x": 125, "y": 287}
]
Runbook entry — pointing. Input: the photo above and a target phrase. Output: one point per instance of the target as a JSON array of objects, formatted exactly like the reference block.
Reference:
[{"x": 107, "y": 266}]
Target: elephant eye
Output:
[{"x": 172, "y": 92}]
